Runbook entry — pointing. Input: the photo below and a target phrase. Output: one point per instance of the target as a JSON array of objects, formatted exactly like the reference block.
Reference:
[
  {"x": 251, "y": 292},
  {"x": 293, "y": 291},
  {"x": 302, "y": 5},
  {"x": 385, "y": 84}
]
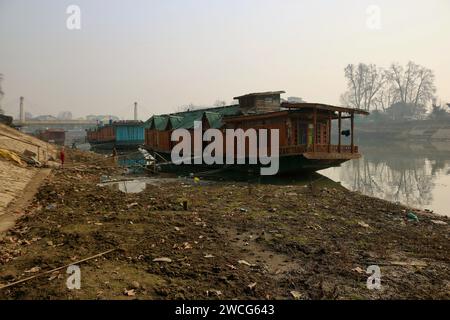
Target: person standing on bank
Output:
[
  {"x": 62, "y": 157},
  {"x": 114, "y": 155}
]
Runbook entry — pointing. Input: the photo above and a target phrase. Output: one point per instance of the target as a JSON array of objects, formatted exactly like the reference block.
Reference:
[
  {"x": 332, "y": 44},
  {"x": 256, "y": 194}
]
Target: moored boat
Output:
[
  {"x": 305, "y": 132},
  {"x": 127, "y": 134},
  {"x": 56, "y": 136}
]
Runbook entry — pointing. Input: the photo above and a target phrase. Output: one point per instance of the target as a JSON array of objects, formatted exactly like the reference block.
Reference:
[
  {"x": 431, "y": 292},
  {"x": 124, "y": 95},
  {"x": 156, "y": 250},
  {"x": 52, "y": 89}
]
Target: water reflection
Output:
[
  {"x": 132, "y": 186},
  {"x": 416, "y": 175}
]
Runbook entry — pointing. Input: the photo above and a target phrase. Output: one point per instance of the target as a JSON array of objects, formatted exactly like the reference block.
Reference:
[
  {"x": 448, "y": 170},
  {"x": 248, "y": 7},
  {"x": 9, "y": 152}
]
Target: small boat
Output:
[
  {"x": 305, "y": 132},
  {"x": 122, "y": 135}
]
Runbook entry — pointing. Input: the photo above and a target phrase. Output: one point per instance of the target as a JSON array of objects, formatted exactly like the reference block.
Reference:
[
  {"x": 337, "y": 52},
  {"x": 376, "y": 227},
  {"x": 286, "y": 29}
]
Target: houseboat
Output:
[
  {"x": 56, "y": 136},
  {"x": 127, "y": 134},
  {"x": 305, "y": 132}
]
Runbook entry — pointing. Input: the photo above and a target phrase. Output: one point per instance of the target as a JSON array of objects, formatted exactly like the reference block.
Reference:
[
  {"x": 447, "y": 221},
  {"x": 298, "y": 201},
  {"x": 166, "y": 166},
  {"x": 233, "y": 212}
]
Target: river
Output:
[{"x": 416, "y": 175}]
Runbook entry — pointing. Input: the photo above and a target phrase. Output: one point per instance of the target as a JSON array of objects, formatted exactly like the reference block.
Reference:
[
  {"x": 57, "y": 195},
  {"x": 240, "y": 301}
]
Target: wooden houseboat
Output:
[
  {"x": 305, "y": 131},
  {"x": 127, "y": 134},
  {"x": 56, "y": 136}
]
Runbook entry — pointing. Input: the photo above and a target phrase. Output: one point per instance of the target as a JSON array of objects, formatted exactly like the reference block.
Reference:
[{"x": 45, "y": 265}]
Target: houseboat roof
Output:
[
  {"x": 321, "y": 106},
  {"x": 157, "y": 122},
  {"x": 215, "y": 115},
  {"x": 127, "y": 123},
  {"x": 254, "y": 94},
  {"x": 186, "y": 119}
]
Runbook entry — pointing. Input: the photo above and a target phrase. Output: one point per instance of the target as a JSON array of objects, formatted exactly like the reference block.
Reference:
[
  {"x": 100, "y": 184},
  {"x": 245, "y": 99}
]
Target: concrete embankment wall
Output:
[
  {"x": 424, "y": 130},
  {"x": 14, "y": 178}
]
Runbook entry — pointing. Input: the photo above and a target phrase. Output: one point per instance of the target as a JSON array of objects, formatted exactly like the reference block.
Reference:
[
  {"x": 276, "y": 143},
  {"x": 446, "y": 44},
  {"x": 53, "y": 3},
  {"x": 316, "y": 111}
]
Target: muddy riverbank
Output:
[{"x": 233, "y": 240}]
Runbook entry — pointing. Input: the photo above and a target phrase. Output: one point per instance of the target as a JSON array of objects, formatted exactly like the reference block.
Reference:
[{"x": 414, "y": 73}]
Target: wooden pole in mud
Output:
[
  {"x": 339, "y": 132},
  {"x": 352, "y": 119},
  {"x": 315, "y": 129},
  {"x": 57, "y": 269},
  {"x": 329, "y": 132}
]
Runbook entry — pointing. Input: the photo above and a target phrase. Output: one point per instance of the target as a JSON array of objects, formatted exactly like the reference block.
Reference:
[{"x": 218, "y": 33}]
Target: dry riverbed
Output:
[{"x": 235, "y": 240}]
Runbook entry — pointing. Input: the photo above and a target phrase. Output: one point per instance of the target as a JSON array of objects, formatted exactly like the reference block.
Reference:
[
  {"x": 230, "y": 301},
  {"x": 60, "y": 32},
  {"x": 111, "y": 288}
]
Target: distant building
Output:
[
  {"x": 65, "y": 115},
  {"x": 45, "y": 117},
  {"x": 102, "y": 118}
]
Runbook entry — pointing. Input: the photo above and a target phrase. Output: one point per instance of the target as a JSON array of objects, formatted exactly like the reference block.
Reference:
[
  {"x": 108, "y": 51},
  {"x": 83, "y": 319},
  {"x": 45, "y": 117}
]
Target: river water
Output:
[{"x": 416, "y": 175}]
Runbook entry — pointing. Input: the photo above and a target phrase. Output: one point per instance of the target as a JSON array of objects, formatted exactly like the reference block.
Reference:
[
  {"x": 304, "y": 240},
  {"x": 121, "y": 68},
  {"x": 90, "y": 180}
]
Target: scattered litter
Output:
[
  {"x": 33, "y": 270},
  {"x": 358, "y": 269},
  {"x": 209, "y": 256},
  {"x": 132, "y": 205},
  {"x": 252, "y": 286},
  {"x": 52, "y": 277},
  {"x": 12, "y": 156},
  {"x": 51, "y": 206},
  {"x": 412, "y": 217},
  {"x": 363, "y": 224},
  {"x": 187, "y": 245},
  {"x": 296, "y": 295},
  {"x": 104, "y": 178},
  {"x": 439, "y": 222},
  {"x": 243, "y": 210},
  {"x": 217, "y": 293},
  {"x": 244, "y": 262},
  {"x": 163, "y": 259},
  {"x": 129, "y": 293}
]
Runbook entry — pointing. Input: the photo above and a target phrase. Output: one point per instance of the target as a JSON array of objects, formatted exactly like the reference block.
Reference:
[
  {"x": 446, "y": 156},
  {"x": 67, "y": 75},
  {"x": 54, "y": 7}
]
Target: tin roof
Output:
[{"x": 186, "y": 119}]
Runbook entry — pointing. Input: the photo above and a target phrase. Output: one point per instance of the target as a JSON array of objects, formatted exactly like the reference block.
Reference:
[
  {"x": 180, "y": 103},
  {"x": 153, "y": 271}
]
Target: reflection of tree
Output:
[{"x": 395, "y": 176}]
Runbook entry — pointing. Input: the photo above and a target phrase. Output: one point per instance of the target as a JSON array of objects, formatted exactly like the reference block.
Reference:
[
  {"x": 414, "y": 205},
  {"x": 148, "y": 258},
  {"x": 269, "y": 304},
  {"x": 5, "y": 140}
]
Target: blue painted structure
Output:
[{"x": 128, "y": 134}]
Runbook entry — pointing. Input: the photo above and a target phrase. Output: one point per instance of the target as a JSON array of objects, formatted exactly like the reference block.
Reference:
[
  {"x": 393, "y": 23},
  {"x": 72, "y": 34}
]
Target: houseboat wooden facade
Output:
[
  {"x": 305, "y": 131},
  {"x": 127, "y": 134},
  {"x": 56, "y": 136}
]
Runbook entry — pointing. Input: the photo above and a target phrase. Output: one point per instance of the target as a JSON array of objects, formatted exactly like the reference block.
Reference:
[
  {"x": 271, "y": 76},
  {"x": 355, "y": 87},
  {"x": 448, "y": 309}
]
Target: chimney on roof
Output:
[
  {"x": 22, "y": 113},
  {"x": 135, "y": 111},
  {"x": 260, "y": 102}
]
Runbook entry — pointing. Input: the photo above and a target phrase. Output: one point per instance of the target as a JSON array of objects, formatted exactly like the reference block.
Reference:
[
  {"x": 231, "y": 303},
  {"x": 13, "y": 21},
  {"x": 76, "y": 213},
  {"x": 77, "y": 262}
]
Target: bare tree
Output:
[
  {"x": 189, "y": 107},
  {"x": 414, "y": 84},
  {"x": 384, "y": 98},
  {"x": 220, "y": 103},
  {"x": 372, "y": 88},
  {"x": 363, "y": 83}
]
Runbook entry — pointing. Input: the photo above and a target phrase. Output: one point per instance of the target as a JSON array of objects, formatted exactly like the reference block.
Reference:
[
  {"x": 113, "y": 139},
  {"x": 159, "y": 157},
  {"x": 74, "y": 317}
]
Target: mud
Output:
[{"x": 316, "y": 242}]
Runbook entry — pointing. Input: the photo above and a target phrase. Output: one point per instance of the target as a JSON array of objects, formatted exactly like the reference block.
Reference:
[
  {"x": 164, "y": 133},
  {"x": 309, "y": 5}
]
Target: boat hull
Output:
[
  {"x": 288, "y": 164},
  {"x": 109, "y": 145}
]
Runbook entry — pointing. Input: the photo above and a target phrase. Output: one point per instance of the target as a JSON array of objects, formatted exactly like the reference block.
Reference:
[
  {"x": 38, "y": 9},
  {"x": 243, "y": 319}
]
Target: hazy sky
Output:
[{"x": 167, "y": 53}]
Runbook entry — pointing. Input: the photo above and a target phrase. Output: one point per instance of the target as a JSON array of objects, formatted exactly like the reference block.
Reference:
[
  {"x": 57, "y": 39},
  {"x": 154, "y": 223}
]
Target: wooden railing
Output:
[{"x": 298, "y": 149}]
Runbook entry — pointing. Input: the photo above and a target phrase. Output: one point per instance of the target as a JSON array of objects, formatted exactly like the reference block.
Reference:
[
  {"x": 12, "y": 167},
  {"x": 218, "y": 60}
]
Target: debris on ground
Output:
[{"x": 313, "y": 246}]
